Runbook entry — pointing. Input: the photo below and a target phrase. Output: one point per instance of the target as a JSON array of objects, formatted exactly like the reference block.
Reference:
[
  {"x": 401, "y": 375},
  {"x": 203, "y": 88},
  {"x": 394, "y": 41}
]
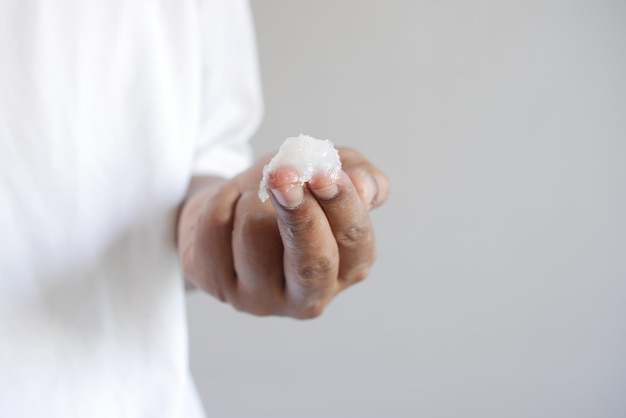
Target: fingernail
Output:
[
  {"x": 289, "y": 196},
  {"x": 371, "y": 189},
  {"x": 326, "y": 192}
]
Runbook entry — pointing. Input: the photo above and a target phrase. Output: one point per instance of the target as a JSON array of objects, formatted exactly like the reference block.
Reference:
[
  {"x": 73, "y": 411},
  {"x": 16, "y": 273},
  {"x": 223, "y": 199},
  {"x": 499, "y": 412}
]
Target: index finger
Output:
[{"x": 311, "y": 255}]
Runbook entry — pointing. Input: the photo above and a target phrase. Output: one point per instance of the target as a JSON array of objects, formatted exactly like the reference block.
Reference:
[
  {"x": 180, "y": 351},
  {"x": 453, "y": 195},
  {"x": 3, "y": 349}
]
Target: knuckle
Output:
[
  {"x": 255, "y": 303},
  {"x": 210, "y": 286},
  {"x": 299, "y": 224},
  {"x": 359, "y": 274},
  {"x": 315, "y": 270},
  {"x": 261, "y": 310},
  {"x": 360, "y": 271},
  {"x": 220, "y": 295},
  {"x": 311, "y": 311},
  {"x": 256, "y": 224},
  {"x": 238, "y": 303},
  {"x": 354, "y": 234},
  {"x": 220, "y": 208},
  {"x": 215, "y": 216}
]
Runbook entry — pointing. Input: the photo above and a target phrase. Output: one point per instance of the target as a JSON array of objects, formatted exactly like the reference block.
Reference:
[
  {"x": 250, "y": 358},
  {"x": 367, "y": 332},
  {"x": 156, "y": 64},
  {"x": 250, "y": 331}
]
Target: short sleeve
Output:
[{"x": 232, "y": 105}]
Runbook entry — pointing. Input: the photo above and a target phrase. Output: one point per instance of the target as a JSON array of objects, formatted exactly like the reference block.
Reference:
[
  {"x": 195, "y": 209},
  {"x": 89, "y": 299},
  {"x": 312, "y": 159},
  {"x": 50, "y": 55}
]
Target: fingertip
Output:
[
  {"x": 383, "y": 188},
  {"x": 366, "y": 186},
  {"x": 283, "y": 176},
  {"x": 289, "y": 196},
  {"x": 324, "y": 186},
  {"x": 285, "y": 185}
]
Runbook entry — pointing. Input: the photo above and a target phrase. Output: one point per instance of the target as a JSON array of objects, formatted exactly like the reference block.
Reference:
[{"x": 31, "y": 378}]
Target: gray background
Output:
[{"x": 500, "y": 289}]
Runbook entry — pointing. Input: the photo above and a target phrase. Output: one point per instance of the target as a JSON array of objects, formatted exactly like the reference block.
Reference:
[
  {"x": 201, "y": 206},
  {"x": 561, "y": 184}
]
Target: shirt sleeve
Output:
[{"x": 232, "y": 105}]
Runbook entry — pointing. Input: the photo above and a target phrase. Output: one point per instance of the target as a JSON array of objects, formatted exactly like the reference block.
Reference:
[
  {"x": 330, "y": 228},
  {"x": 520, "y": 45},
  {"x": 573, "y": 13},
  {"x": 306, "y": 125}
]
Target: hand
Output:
[{"x": 290, "y": 255}]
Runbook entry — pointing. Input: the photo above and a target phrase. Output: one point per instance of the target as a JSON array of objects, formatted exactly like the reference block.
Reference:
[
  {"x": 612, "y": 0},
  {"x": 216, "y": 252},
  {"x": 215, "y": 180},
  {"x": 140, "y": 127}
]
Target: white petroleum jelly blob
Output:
[{"x": 309, "y": 156}]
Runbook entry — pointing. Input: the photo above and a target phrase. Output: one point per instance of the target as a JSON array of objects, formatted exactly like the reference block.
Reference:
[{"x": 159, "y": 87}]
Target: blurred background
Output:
[{"x": 500, "y": 289}]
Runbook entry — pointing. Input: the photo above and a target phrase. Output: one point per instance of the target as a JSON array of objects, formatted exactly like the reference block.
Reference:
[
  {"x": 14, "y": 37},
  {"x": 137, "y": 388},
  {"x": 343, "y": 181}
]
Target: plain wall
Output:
[{"x": 500, "y": 289}]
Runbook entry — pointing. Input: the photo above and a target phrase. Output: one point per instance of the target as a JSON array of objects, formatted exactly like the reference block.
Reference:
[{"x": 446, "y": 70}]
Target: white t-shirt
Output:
[{"x": 107, "y": 109}]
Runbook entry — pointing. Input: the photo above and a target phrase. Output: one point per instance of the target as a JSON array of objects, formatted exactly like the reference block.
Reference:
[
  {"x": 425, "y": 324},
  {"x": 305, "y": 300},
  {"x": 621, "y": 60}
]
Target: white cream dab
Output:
[{"x": 309, "y": 156}]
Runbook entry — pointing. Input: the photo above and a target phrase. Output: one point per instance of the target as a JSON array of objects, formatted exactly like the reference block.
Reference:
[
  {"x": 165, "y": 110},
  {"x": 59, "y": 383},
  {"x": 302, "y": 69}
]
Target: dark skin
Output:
[{"x": 290, "y": 255}]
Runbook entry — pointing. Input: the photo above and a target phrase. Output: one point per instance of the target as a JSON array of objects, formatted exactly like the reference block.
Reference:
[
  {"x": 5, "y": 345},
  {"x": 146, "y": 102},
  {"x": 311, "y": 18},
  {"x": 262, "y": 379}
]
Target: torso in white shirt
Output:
[{"x": 106, "y": 110}]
